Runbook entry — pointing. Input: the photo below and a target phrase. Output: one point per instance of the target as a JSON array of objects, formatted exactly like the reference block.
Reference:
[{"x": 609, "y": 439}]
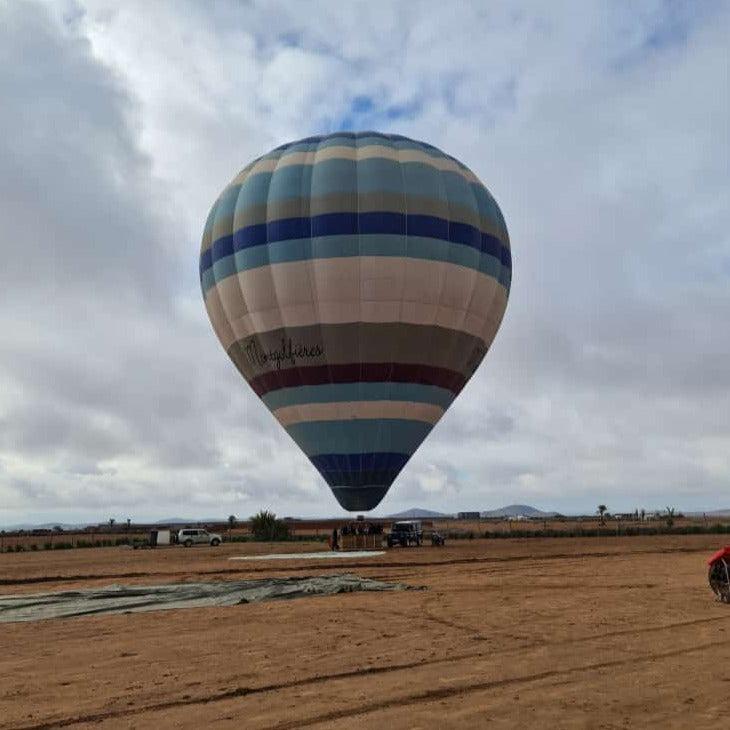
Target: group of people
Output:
[
  {"x": 362, "y": 528},
  {"x": 354, "y": 528}
]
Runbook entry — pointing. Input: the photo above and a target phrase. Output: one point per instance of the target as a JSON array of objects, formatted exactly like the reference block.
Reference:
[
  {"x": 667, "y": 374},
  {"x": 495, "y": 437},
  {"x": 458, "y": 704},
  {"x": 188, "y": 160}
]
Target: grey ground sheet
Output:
[{"x": 132, "y": 599}]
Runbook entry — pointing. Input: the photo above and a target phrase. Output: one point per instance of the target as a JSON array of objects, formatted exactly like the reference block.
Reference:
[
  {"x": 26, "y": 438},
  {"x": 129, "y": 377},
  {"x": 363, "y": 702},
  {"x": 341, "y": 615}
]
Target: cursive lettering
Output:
[{"x": 288, "y": 353}]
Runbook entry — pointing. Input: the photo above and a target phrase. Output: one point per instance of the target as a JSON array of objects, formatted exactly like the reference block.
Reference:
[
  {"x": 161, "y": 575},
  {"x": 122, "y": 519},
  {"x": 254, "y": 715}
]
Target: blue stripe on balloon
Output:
[
  {"x": 356, "y": 462},
  {"x": 378, "y": 174},
  {"x": 253, "y": 258},
  {"x": 207, "y": 280},
  {"x": 349, "y": 392},
  {"x": 222, "y": 269},
  {"x": 221, "y": 247},
  {"x": 287, "y": 229},
  {"x": 428, "y": 225},
  {"x": 339, "y": 224},
  {"x": 371, "y": 175},
  {"x": 345, "y": 176},
  {"x": 206, "y": 260},
  {"x": 226, "y": 204},
  {"x": 358, "y": 478},
  {"x": 325, "y": 247},
  {"x": 379, "y": 222},
  {"x": 210, "y": 220},
  {"x": 354, "y": 436},
  {"x": 360, "y": 470},
  {"x": 254, "y": 235},
  {"x": 378, "y": 478},
  {"x": 333, "y": 224}
]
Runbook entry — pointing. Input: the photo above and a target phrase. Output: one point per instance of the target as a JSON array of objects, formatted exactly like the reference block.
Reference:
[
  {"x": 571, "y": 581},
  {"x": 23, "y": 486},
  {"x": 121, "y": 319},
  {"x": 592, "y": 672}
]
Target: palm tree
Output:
[
  {"x": 602, "y": 513},
  {"x": 265, "y": 527},
  {"x": 670, "y": 516},
  {"x": 231, "y": 525}
]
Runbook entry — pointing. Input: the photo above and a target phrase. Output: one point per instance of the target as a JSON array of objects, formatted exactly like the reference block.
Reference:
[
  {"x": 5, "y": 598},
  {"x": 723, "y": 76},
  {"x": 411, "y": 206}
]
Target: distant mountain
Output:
[
  {"x": 196, "y": 521},
  {"x": 416, "y": 514},
  {"x": 45, "y": 526},
  {"x": 176, "y": 521},
  {"x": 714, "y": 513},
  {"x": 71, "y": 526},
  {"x": 518, "y": 510}
]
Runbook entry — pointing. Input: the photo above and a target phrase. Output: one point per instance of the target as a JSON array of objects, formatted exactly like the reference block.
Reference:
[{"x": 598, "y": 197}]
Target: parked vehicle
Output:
[
  {"x": 160, "y": 537},
  {"x": 196, "y": 536},
  {"x": 406, "y": 532}
]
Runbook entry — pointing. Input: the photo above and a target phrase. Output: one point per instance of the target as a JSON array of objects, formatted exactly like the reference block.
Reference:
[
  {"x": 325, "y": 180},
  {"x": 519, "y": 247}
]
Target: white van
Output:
[{"x": 196, "y": 536}]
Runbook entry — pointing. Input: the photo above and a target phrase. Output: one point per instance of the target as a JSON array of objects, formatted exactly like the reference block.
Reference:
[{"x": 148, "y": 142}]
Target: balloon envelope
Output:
[{"x": 356, "y": 280}]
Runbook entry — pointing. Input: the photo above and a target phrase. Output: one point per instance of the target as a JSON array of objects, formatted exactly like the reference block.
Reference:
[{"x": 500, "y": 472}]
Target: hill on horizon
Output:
[
  {"x": 416, "y": 513},
  {"x": 518, "y": 510},
  {"x": 512, "y": 510}
]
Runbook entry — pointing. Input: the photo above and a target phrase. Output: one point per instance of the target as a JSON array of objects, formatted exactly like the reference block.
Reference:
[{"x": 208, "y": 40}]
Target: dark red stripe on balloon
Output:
[{"x": 358, "y": 372}]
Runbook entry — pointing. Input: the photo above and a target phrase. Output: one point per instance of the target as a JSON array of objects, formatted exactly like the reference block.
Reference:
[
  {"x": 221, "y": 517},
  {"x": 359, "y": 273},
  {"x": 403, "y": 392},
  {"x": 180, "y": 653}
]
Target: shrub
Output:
[{"x": 266, "y": 528}]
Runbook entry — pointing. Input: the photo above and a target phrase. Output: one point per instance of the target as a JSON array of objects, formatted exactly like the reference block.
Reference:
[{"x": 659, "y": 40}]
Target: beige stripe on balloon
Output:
[
  {"x": 219, "y": 316},
  {"x": 355, "y": 289},
  {"x": 330, "y": 291},
  {"x": 426, "y": 412}
]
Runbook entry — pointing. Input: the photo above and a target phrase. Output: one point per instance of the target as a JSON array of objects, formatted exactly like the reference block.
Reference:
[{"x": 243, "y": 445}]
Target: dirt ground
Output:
[{"x": 557, "y": 633}]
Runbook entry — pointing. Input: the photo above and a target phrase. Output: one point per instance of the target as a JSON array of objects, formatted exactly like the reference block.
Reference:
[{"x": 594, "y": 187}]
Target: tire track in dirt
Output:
[
  {"x": 646, "y": 630},
  {"x": 237, "y": 692},
  {"x": 581, "y": 639},
  {"x": 428, "y": 618},
  {"x": 30, "y": 580},
  {"x": 441, "y": 693},
  {"x": 383, "y": 565},
  {"x": 478, "y": 632},
  {"x": 410, "y": 699}
]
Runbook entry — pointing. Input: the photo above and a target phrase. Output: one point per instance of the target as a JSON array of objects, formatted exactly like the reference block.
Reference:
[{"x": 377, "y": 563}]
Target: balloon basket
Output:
[{"x": 361, "y": 542}]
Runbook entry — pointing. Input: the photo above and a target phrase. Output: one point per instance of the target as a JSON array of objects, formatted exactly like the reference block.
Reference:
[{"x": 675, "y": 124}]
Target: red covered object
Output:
[{"x": 724, "y": 553}]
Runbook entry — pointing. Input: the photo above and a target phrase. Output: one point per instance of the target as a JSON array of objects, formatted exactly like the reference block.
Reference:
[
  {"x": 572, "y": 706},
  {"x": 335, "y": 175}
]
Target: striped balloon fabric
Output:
[{"x": 356, "y": 280}]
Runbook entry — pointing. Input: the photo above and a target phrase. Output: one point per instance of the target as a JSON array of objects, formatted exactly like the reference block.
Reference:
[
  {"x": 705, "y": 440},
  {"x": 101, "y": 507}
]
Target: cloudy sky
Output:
[{"x": 601, "y": 128}]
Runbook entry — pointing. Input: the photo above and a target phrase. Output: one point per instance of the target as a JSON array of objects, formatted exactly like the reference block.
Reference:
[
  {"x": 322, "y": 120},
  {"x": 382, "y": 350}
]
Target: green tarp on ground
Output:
[{"x": 132, "y": 599}]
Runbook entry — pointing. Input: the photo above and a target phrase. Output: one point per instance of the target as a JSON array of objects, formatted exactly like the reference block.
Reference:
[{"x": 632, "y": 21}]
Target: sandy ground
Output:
[{"x": 563, "y": 633}]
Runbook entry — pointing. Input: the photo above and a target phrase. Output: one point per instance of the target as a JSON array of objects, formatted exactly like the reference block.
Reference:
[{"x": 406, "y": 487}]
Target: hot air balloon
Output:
[{"x": 356, "y": 280}]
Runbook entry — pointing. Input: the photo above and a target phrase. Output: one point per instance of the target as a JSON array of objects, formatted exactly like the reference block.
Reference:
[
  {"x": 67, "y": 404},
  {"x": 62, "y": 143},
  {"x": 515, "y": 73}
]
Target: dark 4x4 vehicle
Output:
[{"x": 406, "y": 532}]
